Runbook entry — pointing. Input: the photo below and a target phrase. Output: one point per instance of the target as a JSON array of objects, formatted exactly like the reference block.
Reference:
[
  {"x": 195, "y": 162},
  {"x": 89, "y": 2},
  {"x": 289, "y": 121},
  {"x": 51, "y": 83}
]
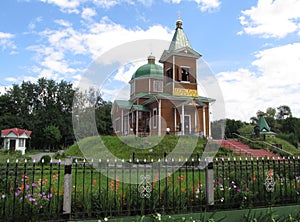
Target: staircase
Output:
[{"x": 244, "y": 150}]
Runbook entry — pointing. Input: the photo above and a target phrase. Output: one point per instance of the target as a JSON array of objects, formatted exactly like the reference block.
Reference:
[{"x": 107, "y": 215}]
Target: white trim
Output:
[
  {"x": 173, "y": 82},
  {"x": 175, "y": 120},
  {"x": 204, "y": 122},
  {"x": 209, "y": 122},
  {"x": 182, "y": 119},
  {"x": 159, "y": 117},
  {"x": 136, "y": 123},
  {"x": 195, "y": 120},
  {"x": 122, "y": 122}
]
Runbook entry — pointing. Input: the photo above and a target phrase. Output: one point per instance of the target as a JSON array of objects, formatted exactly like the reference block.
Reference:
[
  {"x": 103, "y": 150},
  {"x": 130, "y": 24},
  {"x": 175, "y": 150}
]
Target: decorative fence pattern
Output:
[
  {"x": 252, "y": 182},
  {"x": 34, "y": 191}
]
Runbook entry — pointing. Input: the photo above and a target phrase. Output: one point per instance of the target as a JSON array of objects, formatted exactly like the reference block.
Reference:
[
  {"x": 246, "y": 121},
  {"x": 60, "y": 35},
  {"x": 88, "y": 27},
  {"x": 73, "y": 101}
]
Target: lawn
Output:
[{"x": 140, "y": 148}]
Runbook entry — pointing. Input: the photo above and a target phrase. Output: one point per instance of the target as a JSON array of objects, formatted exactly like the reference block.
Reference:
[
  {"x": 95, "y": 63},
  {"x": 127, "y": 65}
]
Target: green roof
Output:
[
  {"x": 264, "y": 128},
  {"x": 124, "y": 104},
  {"x": 140, "y": 108},
  {"x": 179, "y": 38},
  {"x": 150, "y": 70}
]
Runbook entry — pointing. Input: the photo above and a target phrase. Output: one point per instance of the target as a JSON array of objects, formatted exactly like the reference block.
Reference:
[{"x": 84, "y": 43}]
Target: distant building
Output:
[
  {"x": 164, "y": 99},
  {"x": 263, "y": 128},
  {"x": 15, "y": 139}
]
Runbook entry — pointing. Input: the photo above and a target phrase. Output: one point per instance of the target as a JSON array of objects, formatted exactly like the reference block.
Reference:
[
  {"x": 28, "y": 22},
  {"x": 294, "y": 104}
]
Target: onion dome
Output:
[{"x": 149, "y": 70}]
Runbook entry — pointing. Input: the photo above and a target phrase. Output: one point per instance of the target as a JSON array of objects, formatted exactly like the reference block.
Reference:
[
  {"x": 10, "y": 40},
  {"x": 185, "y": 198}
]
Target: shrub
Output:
[{"x": 46, "y": 159}]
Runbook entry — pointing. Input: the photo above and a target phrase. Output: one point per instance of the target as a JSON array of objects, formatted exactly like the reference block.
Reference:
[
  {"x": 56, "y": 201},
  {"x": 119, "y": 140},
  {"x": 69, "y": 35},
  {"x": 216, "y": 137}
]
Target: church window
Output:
[
  {"x": 157, "y": 86},
  {"x": 185, "y": 74},
  {"x": 132, "y": 88},
  {"x": 169, "y": 75},
  {"x": 154, "y": 118}
]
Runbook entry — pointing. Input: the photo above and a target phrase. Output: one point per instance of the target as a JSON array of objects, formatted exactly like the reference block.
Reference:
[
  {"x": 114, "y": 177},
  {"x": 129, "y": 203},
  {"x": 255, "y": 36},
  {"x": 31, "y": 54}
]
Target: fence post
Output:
[
  {"x": 209, "y": 182},
  {"x": 67, "y": 189}
]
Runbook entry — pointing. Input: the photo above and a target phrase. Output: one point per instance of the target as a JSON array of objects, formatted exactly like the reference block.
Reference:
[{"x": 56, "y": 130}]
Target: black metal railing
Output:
[
  {"x": 253, "y": 182},
  {"x": 30, "y": 191},
  {"x": 109, "y": 188},
  {"x": 123, "y": 189}
]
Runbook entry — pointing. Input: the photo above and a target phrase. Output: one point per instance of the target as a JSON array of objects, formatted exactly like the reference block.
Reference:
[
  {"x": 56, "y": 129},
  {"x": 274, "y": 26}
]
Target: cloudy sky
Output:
[{"x": 252, "y": 47}]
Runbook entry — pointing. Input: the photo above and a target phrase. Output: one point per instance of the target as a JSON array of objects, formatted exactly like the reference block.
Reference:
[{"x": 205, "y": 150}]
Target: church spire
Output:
[{"x": 179, "y": 39}]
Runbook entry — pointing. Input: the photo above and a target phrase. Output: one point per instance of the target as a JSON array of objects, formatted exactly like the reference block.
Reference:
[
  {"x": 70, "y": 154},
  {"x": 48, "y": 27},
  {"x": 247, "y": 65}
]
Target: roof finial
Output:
[
  {"x": 179, "y": 13},
  {"x": 179, "y": 22}
]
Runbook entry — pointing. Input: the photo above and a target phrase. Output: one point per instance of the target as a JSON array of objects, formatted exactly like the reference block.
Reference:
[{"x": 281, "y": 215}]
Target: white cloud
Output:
[
  {"x": 65, "y": 47},
  {"x": 173, "y": 1},
  {"x": 88, "y": 13},
  {"x": 64, "y": 3},
  {"x": 276, "y": 83},
  {"x": 6, "y": 41},
  {"x": 280, "y": 65},
  {"x": 272, "y": 18},
  {"x": 63, "y": 23},
  {"x": 204, "y": 5},
  {"x": 106, "y": 34},
  {"x": 73, "y": 6},
  {"x": 10, "y": 79},
  {"x": 208, "y": 5},
  {"x": 125, "y": 73},
  {"x": 33, "y": 23},
  {"x": 106, "y": 3}
]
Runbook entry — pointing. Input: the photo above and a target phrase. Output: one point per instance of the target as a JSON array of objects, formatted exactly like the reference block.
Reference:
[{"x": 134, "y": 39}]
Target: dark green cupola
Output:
[{"x": 149, "y": 70}]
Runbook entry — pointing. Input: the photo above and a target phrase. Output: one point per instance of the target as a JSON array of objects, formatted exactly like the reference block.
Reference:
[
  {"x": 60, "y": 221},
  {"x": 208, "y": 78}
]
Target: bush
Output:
[{"x": 46, "y": 159}]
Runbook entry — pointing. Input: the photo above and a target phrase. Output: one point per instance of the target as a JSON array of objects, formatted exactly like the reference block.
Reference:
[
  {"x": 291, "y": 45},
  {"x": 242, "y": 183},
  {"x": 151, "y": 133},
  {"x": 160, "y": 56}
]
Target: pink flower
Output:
[{"x": 239, "y": 190}]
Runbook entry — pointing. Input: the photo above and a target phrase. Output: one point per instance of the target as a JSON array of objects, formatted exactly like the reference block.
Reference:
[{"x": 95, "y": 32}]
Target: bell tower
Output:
[{"x": 179, "y": 65}]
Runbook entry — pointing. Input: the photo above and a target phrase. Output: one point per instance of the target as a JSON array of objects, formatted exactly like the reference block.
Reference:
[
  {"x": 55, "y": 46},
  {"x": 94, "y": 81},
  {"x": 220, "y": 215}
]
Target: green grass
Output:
[
  {"x": 12, "y": 156},
  {"x": 144, "y": 147},
  {"x": 286, "y": 146}
]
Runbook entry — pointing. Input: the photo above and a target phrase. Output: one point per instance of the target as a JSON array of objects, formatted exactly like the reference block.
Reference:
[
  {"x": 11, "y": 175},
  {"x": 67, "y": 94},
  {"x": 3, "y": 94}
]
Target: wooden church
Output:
[{"x": 164, "y": 99}]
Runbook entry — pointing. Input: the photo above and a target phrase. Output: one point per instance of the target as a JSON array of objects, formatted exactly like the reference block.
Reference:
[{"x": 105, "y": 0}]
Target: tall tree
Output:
[
  {"x": 52, "y": 136},
  {"x": 283, "y": 112}
]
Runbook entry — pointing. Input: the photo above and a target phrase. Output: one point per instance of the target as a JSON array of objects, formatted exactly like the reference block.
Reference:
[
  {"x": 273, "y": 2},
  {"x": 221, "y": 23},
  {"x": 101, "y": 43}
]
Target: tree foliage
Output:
[
  {"x": 46, "y": 103},
  {"x": 52, "y": 136}
]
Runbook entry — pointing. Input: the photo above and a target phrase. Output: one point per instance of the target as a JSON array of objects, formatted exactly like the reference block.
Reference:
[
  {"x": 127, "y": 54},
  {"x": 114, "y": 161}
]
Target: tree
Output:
[
  {"x": 52, "y": 136},
  {"x": 283, "y": 112},
  {"x": 232, "y": 126},
  {"x": 34, "y": 106},
  {"x": 271, "y": 112}
]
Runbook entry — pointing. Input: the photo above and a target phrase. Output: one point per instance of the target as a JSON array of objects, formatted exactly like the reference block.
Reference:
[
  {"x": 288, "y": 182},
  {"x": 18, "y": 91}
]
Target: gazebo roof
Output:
[
  {"x": 17, "y": 131},
  {"x": 264, "y": 128}
]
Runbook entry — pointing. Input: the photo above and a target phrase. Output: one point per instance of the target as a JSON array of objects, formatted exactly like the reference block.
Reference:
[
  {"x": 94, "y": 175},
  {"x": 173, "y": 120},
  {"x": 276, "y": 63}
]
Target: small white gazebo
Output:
[{"x": 15, "y": 139}]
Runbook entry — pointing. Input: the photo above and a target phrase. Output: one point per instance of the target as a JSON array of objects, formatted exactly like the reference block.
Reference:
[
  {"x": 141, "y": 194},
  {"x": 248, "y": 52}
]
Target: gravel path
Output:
[{"x": 37, "y": 157}]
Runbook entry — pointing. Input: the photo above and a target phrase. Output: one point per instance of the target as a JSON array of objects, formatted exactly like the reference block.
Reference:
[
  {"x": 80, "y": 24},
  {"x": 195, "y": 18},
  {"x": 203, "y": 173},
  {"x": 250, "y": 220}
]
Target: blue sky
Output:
[{"x": 252, "y": 46}]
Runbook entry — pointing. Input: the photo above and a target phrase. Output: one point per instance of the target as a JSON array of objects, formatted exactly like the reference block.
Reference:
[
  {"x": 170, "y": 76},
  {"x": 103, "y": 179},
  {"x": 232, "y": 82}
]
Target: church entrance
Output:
[{"x": 187, "y": 124}]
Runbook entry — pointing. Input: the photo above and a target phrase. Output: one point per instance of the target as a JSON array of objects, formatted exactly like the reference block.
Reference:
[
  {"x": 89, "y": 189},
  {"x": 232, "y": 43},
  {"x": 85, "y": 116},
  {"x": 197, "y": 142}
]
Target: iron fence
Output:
[
  {"x": 253, "y": 182},
  {"x": 30, "y": 191},
  {"x": 36, "y": 192},
  {"x": 122, "y": 189}
]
